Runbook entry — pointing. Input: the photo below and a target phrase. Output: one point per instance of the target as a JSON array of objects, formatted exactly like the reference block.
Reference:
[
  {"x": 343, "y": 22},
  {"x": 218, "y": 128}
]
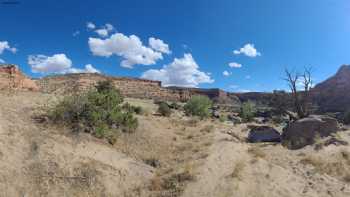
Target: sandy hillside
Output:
[{"x": 176, "y": 156}]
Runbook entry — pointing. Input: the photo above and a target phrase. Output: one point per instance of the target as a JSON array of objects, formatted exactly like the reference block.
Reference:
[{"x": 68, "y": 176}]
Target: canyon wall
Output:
[
  {"x": 129, "y": 87},
  {"x": 11, "y": 78}
]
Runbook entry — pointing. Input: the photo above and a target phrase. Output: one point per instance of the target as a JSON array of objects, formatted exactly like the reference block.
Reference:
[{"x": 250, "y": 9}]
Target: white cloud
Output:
[
  {"x": 4, "y": 45},
  {"x": 58, "y": 63},
  {"x": 248, "y": 50},
  {"x": 226, "y": 73},
  {"x": 2, "y": 61},
  {"x": 109, "y": 27},
  {"x": 181, "y": 72},
  {"x": 105, "y": 30},
  {"x": 88, "y": 69},
  {"x": 234, "y": 65},
  {"x": 90, "y": 26},
  {"x": 159, "y": 45},
  {"x": 102, "y": 32},
  {"x": 248, "y": 77},
  {"x": 244, "y": 90},
  {"x": 76, "y": 33},
  {"x": 129, "y": 47}
]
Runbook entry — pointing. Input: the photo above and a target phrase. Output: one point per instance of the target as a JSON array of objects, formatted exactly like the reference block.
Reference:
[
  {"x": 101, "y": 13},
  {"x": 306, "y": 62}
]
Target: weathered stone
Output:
[
  {"x": 263, "y": 134},
  {"x": 129, "y": 87},
  {"x": 333, "y": 95},
  {"x": 11, "y": 78},
  {"x": 235, "y": 119},
  {"x": 305, "y": 131}
]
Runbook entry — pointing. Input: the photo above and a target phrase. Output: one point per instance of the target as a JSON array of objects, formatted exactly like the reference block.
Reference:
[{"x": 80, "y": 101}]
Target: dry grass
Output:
[
  {"x": 346, "y": 178},
  {"x": 207, "y": 129},
  {"x": 256, "y": 152},
  {"x": 238, "y": 170},
  {"x": 338, "y": 166},
  {"x": 173, "y": 184}
]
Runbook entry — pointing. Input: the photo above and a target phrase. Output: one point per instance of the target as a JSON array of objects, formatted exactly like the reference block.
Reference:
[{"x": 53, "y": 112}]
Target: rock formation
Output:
[
  {"x": 305, "y": 131},
  {"x": 11, "y": 78},
  {"x": 333, "y": 95},
  {"x": 263, "y": 134},
  {"x": 129, "y": 87}
]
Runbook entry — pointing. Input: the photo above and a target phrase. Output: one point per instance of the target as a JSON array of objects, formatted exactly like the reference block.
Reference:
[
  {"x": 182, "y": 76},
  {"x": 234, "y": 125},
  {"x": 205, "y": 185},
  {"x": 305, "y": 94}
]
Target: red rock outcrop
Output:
[
  {"x": 129, "y": 87},
  {"x": 333, "y": 95},
  {"x": 12, "y": 78}
]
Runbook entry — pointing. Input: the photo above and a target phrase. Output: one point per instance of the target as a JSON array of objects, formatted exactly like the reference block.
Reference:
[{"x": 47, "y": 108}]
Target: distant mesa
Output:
[{"x": 332, "y": 95}]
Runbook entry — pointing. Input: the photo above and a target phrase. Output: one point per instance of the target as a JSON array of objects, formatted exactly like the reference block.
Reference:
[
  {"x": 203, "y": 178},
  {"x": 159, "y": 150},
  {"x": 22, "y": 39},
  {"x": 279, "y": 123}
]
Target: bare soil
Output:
[{"x": 175, "y": 156}]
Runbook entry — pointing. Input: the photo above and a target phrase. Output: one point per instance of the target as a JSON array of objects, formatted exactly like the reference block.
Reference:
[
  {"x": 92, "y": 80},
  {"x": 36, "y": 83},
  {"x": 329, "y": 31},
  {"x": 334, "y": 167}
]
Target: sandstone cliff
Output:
[
  {"x": 334, "y": 93},
  {"x": 12, "y": 78}
]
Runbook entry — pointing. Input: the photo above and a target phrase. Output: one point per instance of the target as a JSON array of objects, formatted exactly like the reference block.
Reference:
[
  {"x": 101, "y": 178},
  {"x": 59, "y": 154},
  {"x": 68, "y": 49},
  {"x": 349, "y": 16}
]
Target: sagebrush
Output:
[
  {"x": 198, "y": 106},
  {"x": 248, "y": 111},
  {"x": 164, "y": 109},
  {"x": 97, "y": 111}
]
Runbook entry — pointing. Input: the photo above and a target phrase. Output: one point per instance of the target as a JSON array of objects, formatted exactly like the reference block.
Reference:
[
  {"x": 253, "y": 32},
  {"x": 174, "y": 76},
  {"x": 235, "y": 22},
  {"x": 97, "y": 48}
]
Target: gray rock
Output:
[
  {"x": 263, "y": 134},
  {"x": 304, "y": 132},
  {"x": 234, "y": 119}
]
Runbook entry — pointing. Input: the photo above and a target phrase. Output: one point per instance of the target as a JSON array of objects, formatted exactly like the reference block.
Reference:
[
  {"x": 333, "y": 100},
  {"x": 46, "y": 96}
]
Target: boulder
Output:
[
  {"x": 305, "y": 131},
  {"x": 234, "y": 119},
  {"x": 263, "y": 134}
]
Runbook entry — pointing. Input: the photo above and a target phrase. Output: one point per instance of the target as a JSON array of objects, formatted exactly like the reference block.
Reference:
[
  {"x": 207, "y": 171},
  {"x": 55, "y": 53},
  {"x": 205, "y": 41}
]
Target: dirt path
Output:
[{"x": 238, "y": 169}]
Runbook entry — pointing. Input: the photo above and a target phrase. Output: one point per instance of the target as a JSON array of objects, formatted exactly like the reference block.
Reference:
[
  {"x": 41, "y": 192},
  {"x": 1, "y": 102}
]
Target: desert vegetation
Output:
[
  {"x": 248, "y": 111},
  {"x": 98, "y": 111},
  {"x": 198, "y": 106},
  {"x": 195, "y": 148}
]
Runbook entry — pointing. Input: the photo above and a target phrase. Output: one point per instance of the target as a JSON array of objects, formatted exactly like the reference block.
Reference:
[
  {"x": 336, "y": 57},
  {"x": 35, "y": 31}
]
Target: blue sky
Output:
[{"x": 195, "y": 39}]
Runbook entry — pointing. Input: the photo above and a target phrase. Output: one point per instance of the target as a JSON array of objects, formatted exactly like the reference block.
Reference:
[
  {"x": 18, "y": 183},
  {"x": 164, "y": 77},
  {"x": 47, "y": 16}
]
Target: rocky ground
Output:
[{"x": 175, "y": 156}]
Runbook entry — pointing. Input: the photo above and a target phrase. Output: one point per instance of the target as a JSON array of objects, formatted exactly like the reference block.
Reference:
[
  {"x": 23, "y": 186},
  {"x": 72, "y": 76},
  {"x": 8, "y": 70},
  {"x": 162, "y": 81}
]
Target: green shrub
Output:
[
  {"x": 198, "y": 106},
  {"x": 223, "y": 118},
  {"x": 248, "y": 111},
  {"x": 97, "y": 111},
  {"x": 347, "y": 117},
  {"x": 164, "y": 109},
  {"x": 175, "y": 106},
  {"x": 132, "y": 109}
]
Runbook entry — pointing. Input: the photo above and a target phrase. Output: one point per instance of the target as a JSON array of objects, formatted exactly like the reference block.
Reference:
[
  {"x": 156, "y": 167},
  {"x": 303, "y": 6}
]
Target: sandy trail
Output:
[{"x": 232, "y": 170}]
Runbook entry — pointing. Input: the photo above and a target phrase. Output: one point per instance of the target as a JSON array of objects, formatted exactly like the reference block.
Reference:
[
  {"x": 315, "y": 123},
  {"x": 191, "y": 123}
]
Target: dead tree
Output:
[{"x": 301, "y": 99}]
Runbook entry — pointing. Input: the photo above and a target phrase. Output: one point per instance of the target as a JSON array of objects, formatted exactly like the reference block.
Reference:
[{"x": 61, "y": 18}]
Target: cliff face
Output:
[
  {"x": 129, "y": 87},
  {"x": 12, "y": 78},
  {"x": 334, "y": 94}
]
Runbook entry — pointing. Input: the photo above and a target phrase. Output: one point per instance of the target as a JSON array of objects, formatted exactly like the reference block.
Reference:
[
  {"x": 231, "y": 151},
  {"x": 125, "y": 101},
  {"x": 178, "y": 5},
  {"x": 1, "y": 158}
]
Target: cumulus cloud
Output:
[
  {"x": 130, "y": 48},
  {"x": 248, "y": 50},
  {"x": 226, "y": 73},
  {"x": 159, "y": 45},
  {"x": 102, "y": 32},
  {"x": 90, "y": 26},
  {"x": 234, "y": 65},
  {"x": 105, "y": 30},
  {"x": 88, "y": 69},
  {"x": 55, "y": 64},
  {"x": 4, "y": 45},
  {"x": 109, "y": 27},
  {"x": 181, "y": 72},
  {"x": 58, "y": 63},
  {"x": 2, "y": 61}
]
